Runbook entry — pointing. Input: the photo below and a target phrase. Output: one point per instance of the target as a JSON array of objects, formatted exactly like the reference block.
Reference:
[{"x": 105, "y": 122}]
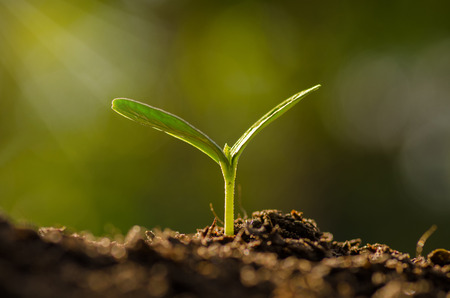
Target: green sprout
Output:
[{"x": 227, "y": 158}]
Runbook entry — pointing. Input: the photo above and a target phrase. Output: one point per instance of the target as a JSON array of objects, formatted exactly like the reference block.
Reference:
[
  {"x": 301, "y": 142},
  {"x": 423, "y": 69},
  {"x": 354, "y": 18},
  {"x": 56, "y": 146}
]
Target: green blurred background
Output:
[{"x": 368, "y": 155}]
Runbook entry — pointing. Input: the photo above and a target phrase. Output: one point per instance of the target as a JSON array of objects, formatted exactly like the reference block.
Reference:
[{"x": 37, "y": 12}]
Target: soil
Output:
[{"x": 272, "y": 255}]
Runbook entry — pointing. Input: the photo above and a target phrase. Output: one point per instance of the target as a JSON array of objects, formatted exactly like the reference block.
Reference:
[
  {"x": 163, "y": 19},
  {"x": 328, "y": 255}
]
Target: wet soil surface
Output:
[{"x": 272, "y": 255}]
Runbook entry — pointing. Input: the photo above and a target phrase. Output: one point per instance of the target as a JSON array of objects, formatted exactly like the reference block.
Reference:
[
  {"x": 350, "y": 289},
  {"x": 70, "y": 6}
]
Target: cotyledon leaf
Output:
[
  {"x": 170, "y": 124},
  {"x": 265, "y": 120}
]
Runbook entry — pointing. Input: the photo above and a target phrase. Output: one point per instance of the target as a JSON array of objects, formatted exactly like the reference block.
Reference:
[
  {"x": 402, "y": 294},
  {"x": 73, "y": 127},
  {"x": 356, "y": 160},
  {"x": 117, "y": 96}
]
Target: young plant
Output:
[{"x": 227, "y": 158}]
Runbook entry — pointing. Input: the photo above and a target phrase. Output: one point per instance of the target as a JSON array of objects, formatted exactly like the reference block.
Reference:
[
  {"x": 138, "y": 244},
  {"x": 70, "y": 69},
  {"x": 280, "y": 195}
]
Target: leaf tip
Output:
[
  {"x": 119, "y": 103},
  {"x": 115, "y": 103},
  {"x": 315, "y": 87}
]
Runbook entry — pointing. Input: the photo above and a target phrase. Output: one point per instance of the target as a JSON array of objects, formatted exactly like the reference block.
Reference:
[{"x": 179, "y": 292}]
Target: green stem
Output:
[{"x": 229, "y": 175}]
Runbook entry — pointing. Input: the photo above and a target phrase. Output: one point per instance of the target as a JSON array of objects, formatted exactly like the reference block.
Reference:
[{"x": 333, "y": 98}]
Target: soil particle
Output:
[{"x": 272, "y": 255}]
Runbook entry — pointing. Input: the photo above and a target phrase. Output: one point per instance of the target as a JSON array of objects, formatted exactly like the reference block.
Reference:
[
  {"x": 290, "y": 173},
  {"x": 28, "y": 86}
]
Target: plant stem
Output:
[{"x": 229, "y": 175}]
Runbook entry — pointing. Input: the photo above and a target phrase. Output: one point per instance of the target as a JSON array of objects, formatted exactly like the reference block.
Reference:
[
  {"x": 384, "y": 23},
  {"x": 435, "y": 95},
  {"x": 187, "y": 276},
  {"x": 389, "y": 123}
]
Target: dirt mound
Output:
[{"x": 272, "y": 255}]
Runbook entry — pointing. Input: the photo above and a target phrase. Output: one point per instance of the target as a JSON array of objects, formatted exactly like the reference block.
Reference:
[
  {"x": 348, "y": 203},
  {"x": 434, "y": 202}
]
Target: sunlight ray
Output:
[{"x": 85, "y": 63}]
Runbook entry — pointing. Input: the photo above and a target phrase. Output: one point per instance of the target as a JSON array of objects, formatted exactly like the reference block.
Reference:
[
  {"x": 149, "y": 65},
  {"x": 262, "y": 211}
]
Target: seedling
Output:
[{"x": 227, "y": 158}]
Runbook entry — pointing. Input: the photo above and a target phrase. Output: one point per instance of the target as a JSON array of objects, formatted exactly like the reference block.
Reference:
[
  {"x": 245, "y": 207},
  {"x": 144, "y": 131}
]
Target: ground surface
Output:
[{"x": 272, "y": 255}]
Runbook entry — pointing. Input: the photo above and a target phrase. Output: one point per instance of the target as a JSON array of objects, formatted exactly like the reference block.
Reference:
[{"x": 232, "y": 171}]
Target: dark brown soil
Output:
[{"x": 272, "y": 255}]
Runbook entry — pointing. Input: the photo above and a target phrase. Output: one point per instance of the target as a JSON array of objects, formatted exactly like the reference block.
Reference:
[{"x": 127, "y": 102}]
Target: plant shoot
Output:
[{"x": 227, "y": 158}]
